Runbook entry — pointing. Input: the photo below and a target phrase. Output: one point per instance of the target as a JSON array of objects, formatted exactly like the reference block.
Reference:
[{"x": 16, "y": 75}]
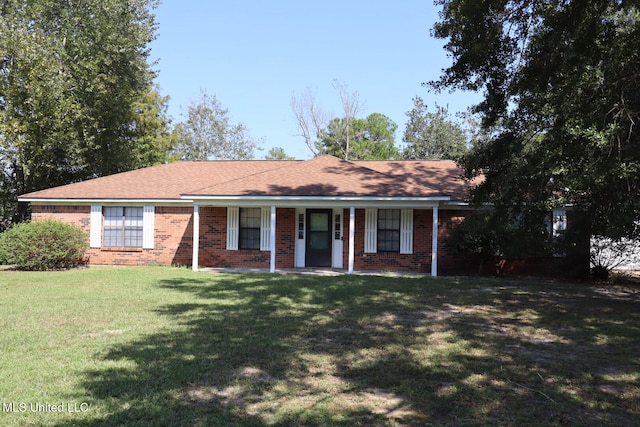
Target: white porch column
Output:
[
  {"x": 196, "y": 236},
  {"x": 352, "y": 235},
  {"x": 272, "y": 238},
  {"x": 434, "y": 243}
]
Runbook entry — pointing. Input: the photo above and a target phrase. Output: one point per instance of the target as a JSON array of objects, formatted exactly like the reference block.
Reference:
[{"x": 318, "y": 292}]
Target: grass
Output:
[{"x": 163, "y": 346}]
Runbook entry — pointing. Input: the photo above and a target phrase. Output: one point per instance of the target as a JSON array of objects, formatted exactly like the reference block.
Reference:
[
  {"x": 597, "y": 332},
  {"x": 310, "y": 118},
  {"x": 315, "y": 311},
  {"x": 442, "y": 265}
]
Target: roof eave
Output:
[
  {"x": 102, "y": 201},
  {"x": 302, "y": 201}
]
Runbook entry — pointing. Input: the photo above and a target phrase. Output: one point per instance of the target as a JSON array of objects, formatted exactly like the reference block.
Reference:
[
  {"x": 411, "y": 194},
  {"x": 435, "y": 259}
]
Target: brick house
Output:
[{"x": 323, "y": 212}]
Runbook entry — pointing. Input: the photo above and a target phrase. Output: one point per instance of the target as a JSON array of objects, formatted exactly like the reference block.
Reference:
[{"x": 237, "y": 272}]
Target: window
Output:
[
  {"x": 558, "y": 222},
  {"x": 249, "y": 228},
  {"x": 123, "y": 227},
  {"x": 337, "y": 226},
  {"x": 388, "y": 230},
  {"x": 301, "y": 226}
]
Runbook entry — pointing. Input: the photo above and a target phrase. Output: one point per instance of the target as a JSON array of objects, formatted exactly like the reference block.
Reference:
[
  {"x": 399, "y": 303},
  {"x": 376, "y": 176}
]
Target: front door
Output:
[{"x": 318, "y": 244}]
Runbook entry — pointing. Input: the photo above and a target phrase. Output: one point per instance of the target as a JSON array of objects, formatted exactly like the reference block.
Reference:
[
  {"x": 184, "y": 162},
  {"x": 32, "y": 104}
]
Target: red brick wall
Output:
[
  {"x": 452, "y": 264},
  {"x": 173, "y": 235},
  {"x": 213, "y": 241},
  {"x": 418, "y": 261},
  {"x": 286, "y": 238},
  {"x": 174, "y": 231},
  {"x": 574, "y": 264}
]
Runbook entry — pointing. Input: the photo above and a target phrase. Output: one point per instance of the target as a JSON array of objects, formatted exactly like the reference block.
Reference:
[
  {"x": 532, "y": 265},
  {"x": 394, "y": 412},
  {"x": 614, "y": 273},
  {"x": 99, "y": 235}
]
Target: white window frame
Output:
[
  {"x": 96, "y": 229},
  {"x": 371, "y": 231},
  {"x": 233, "y": 228}
]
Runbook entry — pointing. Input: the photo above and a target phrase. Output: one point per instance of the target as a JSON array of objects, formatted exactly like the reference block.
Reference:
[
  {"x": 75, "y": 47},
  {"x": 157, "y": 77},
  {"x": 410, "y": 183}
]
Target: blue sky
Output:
[{"x": 254, "y": 55}]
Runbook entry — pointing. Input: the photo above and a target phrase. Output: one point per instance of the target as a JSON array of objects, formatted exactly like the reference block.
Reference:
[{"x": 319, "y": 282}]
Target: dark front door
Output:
[{"x": 318, "y": 245}]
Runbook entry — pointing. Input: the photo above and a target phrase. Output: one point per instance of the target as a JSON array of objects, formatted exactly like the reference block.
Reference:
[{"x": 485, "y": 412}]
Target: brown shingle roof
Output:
[
  {"x": 330, "y": 176},
  {"x": 441, "y": 176},
  {"x": 321, "y": 176},
  {"x": 166, "y": 181}
]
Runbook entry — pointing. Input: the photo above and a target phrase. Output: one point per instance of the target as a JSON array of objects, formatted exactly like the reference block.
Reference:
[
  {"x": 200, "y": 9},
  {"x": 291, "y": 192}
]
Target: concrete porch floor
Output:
[{"x": 311, "y": 272}]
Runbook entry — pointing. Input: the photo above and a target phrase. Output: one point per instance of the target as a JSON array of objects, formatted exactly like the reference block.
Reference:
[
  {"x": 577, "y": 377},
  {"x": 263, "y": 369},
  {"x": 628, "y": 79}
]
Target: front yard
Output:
[{"x": 164, "y": 346}]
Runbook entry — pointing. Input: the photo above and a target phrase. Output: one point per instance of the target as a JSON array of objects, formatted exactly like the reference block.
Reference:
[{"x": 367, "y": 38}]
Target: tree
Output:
[
  {"x": 73, "y": 78},
  {"x": 277, "y": 153},
  {"x": 313, "y": 121},
  {"x": 208, "y": 133},
  {"x": 310, "y": 118},
  {"x": 350, "y": 107},
  {"x": 151, "y": 128},
  {"x": 372, "y": 138},
  {"x": 432, "y": 135},
  {"x": 561, "y": 84}
]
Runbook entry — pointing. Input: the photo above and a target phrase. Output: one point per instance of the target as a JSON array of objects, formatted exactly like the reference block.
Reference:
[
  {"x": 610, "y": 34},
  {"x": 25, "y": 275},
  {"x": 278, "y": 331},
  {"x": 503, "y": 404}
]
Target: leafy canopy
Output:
[
  {"x": 371, "y": 138},
  {"x": 430, "y": 135},
  {"x": 76, "y": 94},
  {"x": 561, "y": 85},
  {"x": 277, "y": 153},
  {"x": 207, "y": 133}
]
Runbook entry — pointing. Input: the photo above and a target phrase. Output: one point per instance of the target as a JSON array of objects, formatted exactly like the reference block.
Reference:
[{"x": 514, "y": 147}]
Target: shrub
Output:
[
  {"x": 609, "y": 254},
  {"x": 488, "y": 235},
  {"x": 43, "y": 245}
]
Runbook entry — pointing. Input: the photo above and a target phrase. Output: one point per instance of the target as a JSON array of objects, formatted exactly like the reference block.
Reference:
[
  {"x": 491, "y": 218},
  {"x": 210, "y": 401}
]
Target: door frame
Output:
[{"x": 330, "y": 232}]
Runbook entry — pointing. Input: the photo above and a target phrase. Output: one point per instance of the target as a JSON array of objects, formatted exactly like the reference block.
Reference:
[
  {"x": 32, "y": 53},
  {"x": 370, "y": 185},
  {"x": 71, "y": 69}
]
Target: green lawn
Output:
[{"x": 163, "y": 346}]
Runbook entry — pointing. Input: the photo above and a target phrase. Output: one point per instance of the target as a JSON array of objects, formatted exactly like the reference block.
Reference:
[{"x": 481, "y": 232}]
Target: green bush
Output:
[{"x": 43, "y": 245}]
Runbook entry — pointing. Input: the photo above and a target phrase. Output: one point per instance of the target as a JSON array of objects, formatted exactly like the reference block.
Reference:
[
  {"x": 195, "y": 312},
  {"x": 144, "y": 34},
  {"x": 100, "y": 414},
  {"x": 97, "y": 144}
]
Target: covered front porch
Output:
[{"x": 335, "y": 235}]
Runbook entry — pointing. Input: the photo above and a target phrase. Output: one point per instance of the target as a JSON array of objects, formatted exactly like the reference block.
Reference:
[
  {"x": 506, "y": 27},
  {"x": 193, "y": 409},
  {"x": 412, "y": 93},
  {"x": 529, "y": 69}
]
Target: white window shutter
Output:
[
  {"x": 148, "y": 226},
  {"x": 95, "y": 230},
  {"x": 370, "y": 230},
  {"x": 559, "y": 222},
  {"x": 406, "y": 231},
  {"x": 265, "y": 229},
  {"x": 233, "y": 224}
]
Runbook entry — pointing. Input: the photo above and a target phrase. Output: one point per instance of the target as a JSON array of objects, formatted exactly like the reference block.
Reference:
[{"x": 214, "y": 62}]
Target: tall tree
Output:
[
  {"x": 312, "y": 120},
  {"x": 430, "y": 135},
  {"x": 73, "y": 75},
  {"x": 351, "y": 106},
  {"x": 207, "y": 133},
  {"x": 372, "y": 138},
  {"x": 561, "y": 84}
]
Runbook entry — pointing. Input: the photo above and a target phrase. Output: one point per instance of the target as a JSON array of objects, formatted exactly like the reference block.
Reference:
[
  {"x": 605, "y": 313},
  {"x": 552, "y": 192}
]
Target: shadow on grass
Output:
[{"x": 271, "y": 350}]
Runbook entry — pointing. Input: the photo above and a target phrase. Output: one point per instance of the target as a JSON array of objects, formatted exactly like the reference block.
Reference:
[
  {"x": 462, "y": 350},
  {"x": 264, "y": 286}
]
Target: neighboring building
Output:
[{"x": 323, "y": 212}]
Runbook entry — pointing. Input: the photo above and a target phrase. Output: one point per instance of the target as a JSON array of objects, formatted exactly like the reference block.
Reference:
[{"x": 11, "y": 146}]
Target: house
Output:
[{"x": 322, "y": 212}]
